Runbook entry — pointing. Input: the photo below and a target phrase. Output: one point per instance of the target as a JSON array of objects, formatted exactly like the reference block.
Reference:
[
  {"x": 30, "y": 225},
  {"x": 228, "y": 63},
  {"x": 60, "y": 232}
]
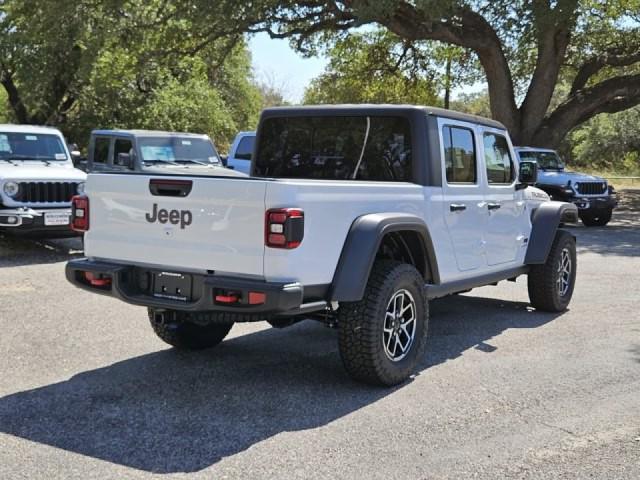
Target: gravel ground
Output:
[{"x": 87, "y": 391}]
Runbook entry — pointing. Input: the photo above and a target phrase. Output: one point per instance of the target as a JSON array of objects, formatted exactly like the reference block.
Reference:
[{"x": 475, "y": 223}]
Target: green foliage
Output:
[
  {"x": 4, "y": 107},
  {"x": 608, "y": 142},
  {"x": 192, "y": 106},
  {"x": 82, "y": 64},
  {"x": 476, "y": 103},
  {"x": 374, "y": 67}
]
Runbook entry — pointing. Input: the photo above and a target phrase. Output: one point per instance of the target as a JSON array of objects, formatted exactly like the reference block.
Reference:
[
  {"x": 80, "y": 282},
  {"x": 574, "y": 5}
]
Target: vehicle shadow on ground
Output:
[
  {"x": 621, "y": 237},
  {"x": 168, "y": 412},
  {"x": 18, "y": 251}
]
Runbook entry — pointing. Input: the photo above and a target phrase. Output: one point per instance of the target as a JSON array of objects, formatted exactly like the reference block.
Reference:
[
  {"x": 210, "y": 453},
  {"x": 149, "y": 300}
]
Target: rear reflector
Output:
[
  {"x": 80, "y": 213},
  {"x": 97, "y": 281},
  {"x": 227, "y": 298},
  {"x": 257, "y": 298},
  {"x": 284, "y": 228}
]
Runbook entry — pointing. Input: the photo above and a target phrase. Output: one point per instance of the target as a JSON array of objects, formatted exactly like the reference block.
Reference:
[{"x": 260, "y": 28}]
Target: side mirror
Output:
[
  {"x": 76, "y": 156},
  {"x": 223, "y": 159},
  {"x": 124, "y": 160},
  {"x": 528, "y": 173}
]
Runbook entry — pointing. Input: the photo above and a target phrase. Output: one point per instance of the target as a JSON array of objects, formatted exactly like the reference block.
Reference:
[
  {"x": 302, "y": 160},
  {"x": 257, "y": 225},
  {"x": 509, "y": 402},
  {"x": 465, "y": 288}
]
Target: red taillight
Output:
[
  {"x": 80, "y": 213},
  {"x": 284, "y": 228}
]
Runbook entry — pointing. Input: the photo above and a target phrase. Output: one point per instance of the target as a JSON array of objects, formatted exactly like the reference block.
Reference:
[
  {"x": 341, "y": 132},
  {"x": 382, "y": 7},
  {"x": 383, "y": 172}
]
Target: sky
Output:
[{"x": 277, "y": 63}]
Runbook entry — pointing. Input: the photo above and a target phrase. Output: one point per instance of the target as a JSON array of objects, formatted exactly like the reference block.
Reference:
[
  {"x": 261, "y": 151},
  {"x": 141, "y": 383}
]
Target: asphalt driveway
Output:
[{"x": 87, "y": 391}]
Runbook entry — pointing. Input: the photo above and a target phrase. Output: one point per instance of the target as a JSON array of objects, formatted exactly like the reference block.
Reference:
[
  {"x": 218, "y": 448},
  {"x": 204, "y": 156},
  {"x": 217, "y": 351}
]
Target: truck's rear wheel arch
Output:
[
  {"x": 396, "y": 236},
  {"x": 405, "y": 246}
]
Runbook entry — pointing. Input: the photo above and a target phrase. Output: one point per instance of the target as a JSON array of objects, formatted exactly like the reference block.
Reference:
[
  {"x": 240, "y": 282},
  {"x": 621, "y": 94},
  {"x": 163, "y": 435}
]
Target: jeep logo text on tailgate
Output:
[{"x": 175, "y": 217}]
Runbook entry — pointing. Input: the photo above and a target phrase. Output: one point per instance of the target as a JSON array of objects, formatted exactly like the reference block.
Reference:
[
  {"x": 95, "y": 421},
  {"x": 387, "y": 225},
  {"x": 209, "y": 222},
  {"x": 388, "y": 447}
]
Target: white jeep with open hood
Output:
[
  {"x": 37, "y": 181},
  {"x": 355, "y": 216}
]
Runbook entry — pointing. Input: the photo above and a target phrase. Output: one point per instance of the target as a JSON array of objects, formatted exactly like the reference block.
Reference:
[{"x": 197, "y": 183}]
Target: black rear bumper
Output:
[{"x": 134, "y": 285}]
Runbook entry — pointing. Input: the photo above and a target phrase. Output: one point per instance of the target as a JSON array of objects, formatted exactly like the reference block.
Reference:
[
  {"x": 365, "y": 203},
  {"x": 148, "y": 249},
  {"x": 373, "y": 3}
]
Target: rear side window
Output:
[
  {"x": 498, "y": 160},
  {"x": 101, "y": 150},
  {"x": 335, "y": 148},
  {"x": 459, "y": 155},
  {"x": 245, "y": 148}
]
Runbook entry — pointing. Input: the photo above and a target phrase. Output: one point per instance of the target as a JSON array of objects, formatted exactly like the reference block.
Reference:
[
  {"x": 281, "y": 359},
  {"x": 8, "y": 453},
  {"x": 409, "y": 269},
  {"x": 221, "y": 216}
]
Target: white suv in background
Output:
[
  {"x": 37, "y": 181},
  {"x": 241, "y": 151}
]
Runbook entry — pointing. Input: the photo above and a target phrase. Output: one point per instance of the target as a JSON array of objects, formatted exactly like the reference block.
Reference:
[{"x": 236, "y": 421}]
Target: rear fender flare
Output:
[{"x": 361, "y": 246}]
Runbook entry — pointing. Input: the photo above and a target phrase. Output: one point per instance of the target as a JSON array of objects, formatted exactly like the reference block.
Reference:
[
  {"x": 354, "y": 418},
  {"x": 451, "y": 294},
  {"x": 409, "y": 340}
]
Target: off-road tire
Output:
[
  {"x": 361, "y": 326},
  {"x": 542, "y": 282},
  {"x": 597, "y": 219},
  {"x": 189, "y": 331}
]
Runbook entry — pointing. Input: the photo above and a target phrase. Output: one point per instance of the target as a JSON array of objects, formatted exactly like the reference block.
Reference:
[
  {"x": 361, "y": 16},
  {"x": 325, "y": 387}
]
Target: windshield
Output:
[
  {"x": 178, "y": 150},
  {"x": 31, "y": 146},
  {"x": 546, "y": 160}
]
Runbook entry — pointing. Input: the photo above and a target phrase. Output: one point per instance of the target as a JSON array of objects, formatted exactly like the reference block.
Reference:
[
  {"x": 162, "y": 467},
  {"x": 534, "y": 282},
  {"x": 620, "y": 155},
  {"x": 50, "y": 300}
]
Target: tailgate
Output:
[{"x": 218, "y": 225}]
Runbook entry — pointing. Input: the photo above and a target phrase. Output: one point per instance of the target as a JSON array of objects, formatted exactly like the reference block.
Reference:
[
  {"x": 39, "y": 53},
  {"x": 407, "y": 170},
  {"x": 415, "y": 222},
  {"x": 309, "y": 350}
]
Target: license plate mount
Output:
[
  {"x": 172, "y": 286},
  {"x": 55, "y": 219}
]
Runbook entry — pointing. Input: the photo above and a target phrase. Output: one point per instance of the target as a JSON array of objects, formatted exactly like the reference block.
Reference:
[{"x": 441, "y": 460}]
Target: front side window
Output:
[
  {"x": 121, "y": 146},
  {"x": 101, "y": 150},
  {"x": 374, "y": 148},
  {"x": 30, "y": 146},
  {"x": 459, "y": 155},
  {"x": 498, "y": 160}
]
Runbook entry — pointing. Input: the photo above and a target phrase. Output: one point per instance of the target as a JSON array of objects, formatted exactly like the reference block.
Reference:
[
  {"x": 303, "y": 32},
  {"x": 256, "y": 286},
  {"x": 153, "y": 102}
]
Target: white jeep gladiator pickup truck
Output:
[
  {"x": 37, "y": 181},
  {"x": 353, "y": 215}
]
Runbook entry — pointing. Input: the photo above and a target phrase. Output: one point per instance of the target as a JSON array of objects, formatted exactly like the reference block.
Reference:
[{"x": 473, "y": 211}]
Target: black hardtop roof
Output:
[{"x": 375, "y": 109}]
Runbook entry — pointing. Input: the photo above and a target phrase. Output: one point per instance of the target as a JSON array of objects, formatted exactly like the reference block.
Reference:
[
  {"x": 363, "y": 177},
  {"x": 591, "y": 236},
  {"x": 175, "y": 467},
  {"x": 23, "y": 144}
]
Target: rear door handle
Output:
[
  {"x": 493, "y": 206},
  {"x": 457, "y": 207}
]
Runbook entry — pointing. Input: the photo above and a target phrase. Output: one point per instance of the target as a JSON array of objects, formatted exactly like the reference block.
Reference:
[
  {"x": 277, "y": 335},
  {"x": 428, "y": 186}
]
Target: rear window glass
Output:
[
  {"x": 335, "y": 148},
  {"x": 245, "y": 148}
]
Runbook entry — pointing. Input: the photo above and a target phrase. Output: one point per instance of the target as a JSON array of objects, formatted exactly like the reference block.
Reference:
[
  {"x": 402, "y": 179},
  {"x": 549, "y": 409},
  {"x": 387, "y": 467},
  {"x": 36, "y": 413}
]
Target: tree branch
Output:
[
  {"x": 614, "y": 57},
  {"x": 609, "y": 96},
  {"x": 15, "y": 101},
  {"x": 470, "y": 30}
]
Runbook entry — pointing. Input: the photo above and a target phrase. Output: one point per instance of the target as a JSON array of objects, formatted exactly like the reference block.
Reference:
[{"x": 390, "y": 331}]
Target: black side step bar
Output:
[{"x": 444, "y": 289}]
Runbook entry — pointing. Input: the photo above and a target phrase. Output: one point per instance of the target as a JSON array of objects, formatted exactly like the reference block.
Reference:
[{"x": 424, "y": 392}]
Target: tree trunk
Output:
[{"x": 15, "y": 102}]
